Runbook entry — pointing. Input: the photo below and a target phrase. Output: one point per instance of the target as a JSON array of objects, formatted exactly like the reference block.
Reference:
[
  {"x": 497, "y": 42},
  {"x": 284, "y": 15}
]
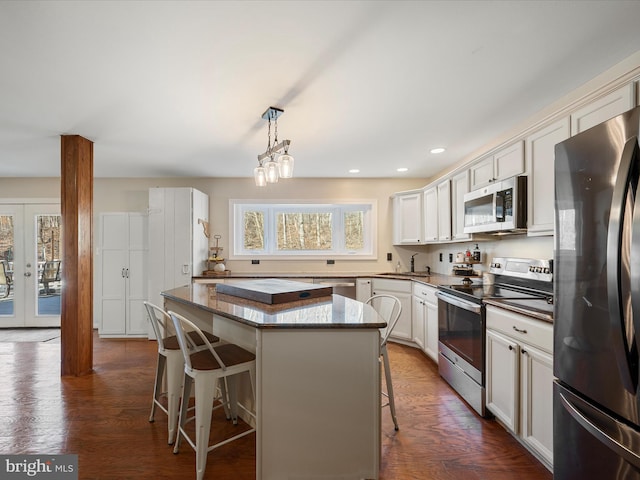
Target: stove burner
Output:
[{"x": 479, "y": 292}]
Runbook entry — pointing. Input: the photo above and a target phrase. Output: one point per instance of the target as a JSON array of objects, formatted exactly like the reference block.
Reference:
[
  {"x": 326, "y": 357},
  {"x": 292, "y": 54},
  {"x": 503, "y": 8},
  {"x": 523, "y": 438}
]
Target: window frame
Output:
[{"x": 270, "y": 209}]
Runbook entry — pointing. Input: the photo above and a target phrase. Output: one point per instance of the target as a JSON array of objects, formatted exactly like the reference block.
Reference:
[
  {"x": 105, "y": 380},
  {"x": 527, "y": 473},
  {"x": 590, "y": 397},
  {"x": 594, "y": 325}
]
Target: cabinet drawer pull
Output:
[{"x": 518, "y": 330}]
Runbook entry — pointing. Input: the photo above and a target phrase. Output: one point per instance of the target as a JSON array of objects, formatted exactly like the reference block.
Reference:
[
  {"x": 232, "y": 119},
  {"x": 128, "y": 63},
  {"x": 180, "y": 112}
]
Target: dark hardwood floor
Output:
[{"x": 104, "y": 419}]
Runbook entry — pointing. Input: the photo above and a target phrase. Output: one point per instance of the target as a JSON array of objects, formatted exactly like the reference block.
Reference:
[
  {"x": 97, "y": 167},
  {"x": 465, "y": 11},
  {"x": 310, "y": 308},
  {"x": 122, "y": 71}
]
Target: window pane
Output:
[
  {"x": 354, "y": 230},
  {"x": 253, "y": 230},
  {"x": 6, "y": 264},
  {"x": 304, "y": 231},
  {"x": 49, "y": 238}
]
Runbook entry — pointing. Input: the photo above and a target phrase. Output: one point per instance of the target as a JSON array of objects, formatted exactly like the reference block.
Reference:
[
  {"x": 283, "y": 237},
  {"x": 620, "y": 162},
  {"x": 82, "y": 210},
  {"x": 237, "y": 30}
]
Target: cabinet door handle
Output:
[
  {"x": 518, "y": 330},
  {"x": 127, "y": 270},
  {"x": 510, "y": 347},
  {"x": 122, "y": 273},
  {"x": 524, "y": 352}
]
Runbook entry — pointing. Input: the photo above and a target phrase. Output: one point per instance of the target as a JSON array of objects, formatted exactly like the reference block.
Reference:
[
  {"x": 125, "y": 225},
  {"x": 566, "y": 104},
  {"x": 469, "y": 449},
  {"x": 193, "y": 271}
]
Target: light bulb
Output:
[
  {"x": 285, "y": 165},
  {"x": 260, "y": 176},
  {"x": 271, "y": 171}
]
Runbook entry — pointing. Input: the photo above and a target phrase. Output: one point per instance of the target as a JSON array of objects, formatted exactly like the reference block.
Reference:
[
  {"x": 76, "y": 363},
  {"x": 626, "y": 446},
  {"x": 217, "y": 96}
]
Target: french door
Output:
[{"x": 30, "y": 265}]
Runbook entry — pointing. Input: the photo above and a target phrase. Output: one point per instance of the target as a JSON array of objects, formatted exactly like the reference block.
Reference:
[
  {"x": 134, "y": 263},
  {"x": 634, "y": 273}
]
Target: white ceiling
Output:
[{"x": 177, "y": 88}]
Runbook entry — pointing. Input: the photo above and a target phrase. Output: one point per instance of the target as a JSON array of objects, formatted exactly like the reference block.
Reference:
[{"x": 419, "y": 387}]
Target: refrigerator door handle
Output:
[
  {"x": 634, "y": 256},
  {"x": 617, "y": 261},
  {"x": 624, "y": 433}
]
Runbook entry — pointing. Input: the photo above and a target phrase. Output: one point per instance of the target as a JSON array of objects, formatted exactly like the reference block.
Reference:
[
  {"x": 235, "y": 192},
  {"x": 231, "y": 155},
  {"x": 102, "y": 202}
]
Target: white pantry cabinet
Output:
[
  {"x": 178, "y": 247},
  {"x": 602, "y": 109},
  {"x": 520, "y": 378},
  {"x": 402, "y": 290},
  {"x": 407, "y": 218},
  {"x": 505, "y": 163},
  {"x": 425, "y": 319},
  {"x": 122, "y": 278},
  {"x": 540, "y": 156}
]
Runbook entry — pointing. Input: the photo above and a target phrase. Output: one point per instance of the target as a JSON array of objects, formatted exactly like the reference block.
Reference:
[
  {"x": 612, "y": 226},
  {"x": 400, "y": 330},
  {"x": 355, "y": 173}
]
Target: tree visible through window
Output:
[
  {"x": 304, "y": 229},
  {"x": 253, "y": 230}
]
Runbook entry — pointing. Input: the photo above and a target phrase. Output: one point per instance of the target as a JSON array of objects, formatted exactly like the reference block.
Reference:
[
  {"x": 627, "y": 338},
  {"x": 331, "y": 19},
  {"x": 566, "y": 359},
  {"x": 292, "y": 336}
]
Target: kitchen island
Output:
[{"x": 317, "y": 379}]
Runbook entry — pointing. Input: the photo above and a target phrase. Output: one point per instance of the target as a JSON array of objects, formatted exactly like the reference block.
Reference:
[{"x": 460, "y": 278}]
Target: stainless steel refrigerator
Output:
[{"x": 596, "y": 430}]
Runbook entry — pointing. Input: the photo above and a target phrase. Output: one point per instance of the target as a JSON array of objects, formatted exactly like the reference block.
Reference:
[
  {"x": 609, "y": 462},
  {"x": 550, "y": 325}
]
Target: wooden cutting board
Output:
[{"x": 273, "y": 290}]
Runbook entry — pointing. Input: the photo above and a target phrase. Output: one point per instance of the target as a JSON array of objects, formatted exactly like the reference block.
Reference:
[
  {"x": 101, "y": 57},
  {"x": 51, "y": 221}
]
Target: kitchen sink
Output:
[{"x": 409, "y": 274}]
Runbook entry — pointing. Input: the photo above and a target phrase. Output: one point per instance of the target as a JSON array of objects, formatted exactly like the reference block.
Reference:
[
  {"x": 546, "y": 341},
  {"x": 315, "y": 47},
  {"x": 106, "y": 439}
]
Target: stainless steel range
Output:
[{"x": 461, "y": 320}]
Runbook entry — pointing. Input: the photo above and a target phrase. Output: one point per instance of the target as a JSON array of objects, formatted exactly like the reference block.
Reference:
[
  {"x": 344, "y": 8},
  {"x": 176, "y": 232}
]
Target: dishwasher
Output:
[{"x": 345, "y": 286}]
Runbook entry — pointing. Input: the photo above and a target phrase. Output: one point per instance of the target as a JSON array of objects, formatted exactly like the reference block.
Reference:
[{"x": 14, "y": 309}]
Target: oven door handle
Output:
[{"x": 472, "y": 307}]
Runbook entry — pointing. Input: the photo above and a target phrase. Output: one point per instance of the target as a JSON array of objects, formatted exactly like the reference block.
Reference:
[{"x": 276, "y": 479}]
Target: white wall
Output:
[{"x": 131, "y": 195}]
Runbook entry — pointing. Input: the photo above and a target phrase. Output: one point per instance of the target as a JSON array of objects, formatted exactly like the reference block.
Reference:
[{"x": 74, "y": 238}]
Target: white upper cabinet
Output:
[
  {"x": 602, "y": 109},
  {"x": 444, "y": 211},
  {"x": 407, "y": 218},
  {"x": 505, "y": 163},
  {"x": 540, "y": 158},
  {"x": 459, "y": 186},
  {"x": 431, "y": 214}
]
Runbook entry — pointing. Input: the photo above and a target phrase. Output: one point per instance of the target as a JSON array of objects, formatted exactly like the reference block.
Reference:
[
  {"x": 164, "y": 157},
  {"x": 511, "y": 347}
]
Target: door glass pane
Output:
[
  {"x": 49, "y": 243},
  {"x": 6, "y": 264}
]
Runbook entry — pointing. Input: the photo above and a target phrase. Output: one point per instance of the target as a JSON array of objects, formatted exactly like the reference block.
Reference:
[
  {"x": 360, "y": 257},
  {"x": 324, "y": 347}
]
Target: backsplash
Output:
[{"x": 507, "y": 246}]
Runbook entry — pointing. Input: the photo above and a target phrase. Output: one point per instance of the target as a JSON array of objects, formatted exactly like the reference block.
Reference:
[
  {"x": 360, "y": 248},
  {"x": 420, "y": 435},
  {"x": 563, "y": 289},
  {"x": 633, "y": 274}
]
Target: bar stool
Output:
[
  {"x": 206, "y": 368},
  {"x": 389, "y": 308},
  {"x": 170, "y": 359}
]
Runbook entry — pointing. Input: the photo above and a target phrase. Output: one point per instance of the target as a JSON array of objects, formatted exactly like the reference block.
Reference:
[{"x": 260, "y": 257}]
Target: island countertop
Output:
[{"x": 327, "y": 312}]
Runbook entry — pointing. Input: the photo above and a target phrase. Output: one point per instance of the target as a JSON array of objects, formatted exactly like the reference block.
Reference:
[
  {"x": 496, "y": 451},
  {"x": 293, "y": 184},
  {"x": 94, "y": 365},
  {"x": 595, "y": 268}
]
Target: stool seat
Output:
[{"x": 229, "y": 353}]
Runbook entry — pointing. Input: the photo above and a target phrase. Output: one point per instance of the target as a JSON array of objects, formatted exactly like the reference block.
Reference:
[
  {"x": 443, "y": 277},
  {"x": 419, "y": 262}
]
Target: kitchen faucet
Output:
[{"x": 413, "y": 265}]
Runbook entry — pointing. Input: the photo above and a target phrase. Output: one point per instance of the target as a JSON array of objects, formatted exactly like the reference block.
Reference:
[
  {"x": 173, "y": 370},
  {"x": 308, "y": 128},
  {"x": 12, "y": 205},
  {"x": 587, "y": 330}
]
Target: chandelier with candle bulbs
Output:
[{"x": 275, "y": 162}]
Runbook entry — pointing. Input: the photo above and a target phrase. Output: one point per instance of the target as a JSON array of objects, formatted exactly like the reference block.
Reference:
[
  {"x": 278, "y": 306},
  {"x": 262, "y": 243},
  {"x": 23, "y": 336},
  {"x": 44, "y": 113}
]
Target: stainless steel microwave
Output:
[{"x": 497, "y": 208}]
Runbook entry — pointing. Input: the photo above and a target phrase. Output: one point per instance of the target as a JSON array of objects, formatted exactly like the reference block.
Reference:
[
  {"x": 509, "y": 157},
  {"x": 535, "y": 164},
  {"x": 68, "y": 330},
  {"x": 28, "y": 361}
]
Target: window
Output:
[{"x": 302, "y": 230}]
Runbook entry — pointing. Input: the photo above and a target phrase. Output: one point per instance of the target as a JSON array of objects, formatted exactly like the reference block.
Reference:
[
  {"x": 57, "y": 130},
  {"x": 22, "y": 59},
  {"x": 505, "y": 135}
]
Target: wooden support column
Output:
[{"x": 76, "y": 324}]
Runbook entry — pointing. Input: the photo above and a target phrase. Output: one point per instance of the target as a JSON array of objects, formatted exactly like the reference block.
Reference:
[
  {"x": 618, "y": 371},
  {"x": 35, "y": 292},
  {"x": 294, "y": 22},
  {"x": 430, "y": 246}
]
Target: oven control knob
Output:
[
  {"x": 546, "y": 270},
  {"x": 532, "y": 268}
]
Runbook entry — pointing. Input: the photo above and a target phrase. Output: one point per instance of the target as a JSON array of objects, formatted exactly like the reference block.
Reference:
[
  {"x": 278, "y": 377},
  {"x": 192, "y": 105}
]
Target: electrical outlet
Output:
[
  {"x": 451, "y": 258},
  {"x": 255, "y": 262},
  {"x": 389, "y": 257},
  {"x": 440, "y": 256},
  {"x": 331, "y": 262}
]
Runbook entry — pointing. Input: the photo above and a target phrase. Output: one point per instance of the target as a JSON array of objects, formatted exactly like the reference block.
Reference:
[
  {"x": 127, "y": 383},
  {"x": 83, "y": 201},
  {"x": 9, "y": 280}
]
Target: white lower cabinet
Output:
[
  {"x": 520, "y": 378},
  {"x": 402, "y": 290},
  {"x": 425, "y": 319}
]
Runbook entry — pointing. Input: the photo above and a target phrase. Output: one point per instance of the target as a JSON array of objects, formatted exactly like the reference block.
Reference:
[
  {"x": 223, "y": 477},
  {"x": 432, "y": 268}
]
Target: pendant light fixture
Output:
[{"x": 277, "y": 165}]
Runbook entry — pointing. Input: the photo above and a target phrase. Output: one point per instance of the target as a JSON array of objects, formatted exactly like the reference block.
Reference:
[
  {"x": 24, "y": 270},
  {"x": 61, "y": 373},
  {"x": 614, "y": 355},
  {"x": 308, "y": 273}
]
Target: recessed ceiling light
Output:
[
  {"x": 354, "y": 170},
  {"x": 437, "y": 150},
  {"x": 402, "y": 169}
]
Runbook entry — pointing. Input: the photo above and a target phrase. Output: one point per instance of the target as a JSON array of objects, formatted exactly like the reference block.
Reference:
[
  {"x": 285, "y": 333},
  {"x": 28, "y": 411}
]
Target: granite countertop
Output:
[
  {"x": 433, "y": 279},
  {"x": 333, "y": 311},
  {"x": 539, "y": 311}
]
